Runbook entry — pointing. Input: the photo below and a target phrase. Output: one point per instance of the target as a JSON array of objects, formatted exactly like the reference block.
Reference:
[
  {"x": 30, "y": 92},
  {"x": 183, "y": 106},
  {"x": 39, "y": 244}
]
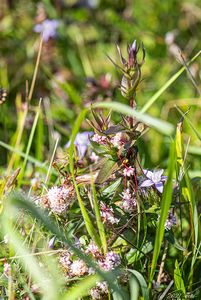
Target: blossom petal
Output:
[
  {"x": 38, "y": 28},
  {"x": 146, "y": 183},
  {"x": 159, "y": 187},
  {"x": 148, "y": 173}
]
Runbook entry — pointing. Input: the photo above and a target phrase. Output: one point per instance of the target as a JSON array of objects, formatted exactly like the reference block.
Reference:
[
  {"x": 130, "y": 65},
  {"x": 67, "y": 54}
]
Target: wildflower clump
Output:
[{"x": 109, "y": 202}]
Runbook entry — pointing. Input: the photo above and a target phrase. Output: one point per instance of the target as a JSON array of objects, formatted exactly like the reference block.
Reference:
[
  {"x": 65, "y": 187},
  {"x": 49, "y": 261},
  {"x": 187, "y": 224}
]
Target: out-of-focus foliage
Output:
[{"x": 88, "y": 32}]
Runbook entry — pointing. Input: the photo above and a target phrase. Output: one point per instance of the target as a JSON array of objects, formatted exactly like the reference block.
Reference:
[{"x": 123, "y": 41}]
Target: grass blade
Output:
[
  {"x": 166, "y": 85},
  {"x": 88, "y": 223},
  {"x": 161, "y": 126},
  {"x": 165, "y": 205},
  {"x": 100, "y": 225}
]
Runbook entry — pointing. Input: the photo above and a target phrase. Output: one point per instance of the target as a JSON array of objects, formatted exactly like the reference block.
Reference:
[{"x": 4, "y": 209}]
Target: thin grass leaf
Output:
[
  {"x": 153, "y": 99},
  {"x": 161, "y": 126},
  {"x": 99, "y": 222},
  {"x": 35, "y": 70},
  {"x": 40, "y": 138},
  {"x": 30, "y": 158},
  {"x": 189, "y": 123},
  {"x": 165, "y": 205},
  {"x": 30, "y": 140},
  {"x": 188, "y": 194},
  {"x": 81, "y": 289},
  {"x": 88, "y": 223},
  {"x": 142, "y": 283}
]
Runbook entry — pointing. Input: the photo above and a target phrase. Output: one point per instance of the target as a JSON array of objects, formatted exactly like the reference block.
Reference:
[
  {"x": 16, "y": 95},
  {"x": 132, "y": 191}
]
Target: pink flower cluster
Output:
[
  {"x": 107, "y": 214},
  {"x": 100, "y": 139},
  {"x": 118, "y": 140},
  {"x": 128, "y": 201},
  {"x": 128, "y": 171},
  {"x": 99, "y": 290}
]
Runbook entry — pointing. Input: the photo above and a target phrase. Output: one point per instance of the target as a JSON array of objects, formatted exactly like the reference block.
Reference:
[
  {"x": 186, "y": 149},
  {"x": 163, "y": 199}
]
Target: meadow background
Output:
[{"x": 62, "y": 81}]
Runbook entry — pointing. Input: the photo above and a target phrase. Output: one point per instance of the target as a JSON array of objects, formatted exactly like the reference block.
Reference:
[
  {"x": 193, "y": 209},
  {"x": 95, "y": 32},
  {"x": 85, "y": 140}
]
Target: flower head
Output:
[
  {"x": 47, "y": 28},
  {"x": 154, "y": 179},
  {"x": 78, "y": 268},
  {"x": 110, "y": 261},
  {"x": 128, "y": 200},
  {"x": 128, "y": 171},
  {"x": 65, "y": 260},
  {"x": 59, "y": 198},
  {"x": 107, "y": 214},
  {"x": 93, "y": 249}
]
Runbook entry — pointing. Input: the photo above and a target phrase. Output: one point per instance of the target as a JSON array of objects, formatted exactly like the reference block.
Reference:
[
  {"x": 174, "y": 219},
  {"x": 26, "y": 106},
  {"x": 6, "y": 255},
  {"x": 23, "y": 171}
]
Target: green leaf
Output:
[
  {"x": 178, "y": 280},
  {"x": 108, "y": 191},
  {"x": 134, "y": 288},
  {"x": 81, "y": 289},
  {"x": 142, "y": 283},
  {"x": 107, "y": 169}
]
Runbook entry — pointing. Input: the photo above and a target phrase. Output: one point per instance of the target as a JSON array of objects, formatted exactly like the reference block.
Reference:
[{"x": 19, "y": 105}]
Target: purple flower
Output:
[
  {"x": 47, "y": 28},
  {"x": 81, "y": 142},
  {"x": 154, "y": 179}
]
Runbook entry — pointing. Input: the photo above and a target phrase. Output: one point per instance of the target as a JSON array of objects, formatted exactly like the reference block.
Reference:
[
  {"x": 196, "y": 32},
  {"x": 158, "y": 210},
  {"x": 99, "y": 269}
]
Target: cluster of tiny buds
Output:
[
  {"x": 107, "y": 214},
  {"x": 118, "y": 140},
  {"x": 77, "y": 267},
  {"x": 99, "y": 139},
  {"x": 110, "y": 261},
  {"x": 129, "y": 201}
]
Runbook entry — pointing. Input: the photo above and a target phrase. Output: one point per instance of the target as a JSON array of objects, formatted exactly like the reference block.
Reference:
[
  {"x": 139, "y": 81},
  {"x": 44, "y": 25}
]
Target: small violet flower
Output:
[
  {"x": 154, "y": 179},
  {"x": 81, "y": 142},
  {"x": 47, "y": 28}
]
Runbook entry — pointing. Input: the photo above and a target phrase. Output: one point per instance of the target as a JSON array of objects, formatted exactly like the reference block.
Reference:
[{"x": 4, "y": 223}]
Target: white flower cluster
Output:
[
  {"x": 129, "y": 201},
  {"x": 59, "y": 198}
]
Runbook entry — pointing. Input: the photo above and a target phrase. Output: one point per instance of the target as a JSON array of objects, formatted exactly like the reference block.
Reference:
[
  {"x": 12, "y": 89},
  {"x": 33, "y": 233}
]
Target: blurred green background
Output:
[{"x": 89, "y": 31}]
